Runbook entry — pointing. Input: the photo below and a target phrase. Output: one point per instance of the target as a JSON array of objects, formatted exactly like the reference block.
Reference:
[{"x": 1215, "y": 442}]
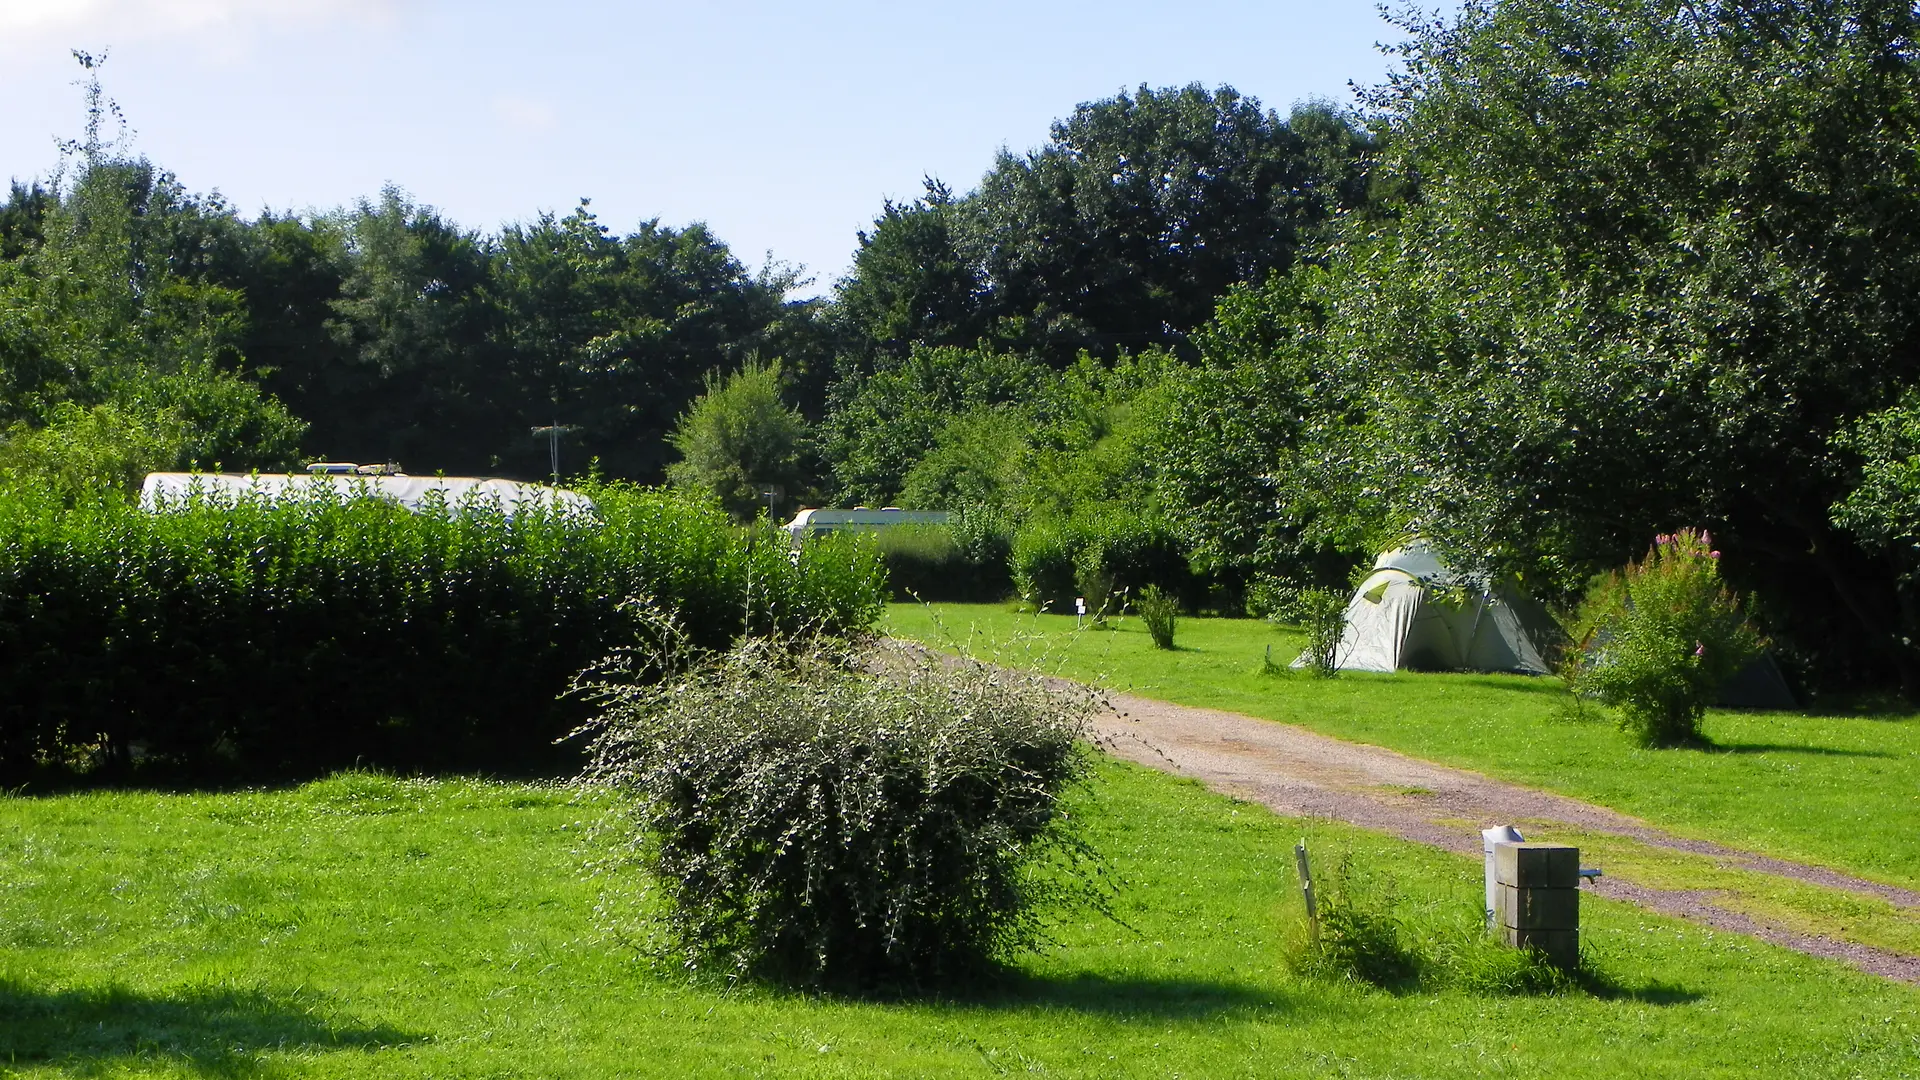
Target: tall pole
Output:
[{"x": 553, "y": 445}]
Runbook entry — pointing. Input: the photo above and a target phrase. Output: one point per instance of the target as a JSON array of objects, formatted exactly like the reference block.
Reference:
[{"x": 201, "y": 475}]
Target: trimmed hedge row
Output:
[
  {"x": 962, "y": 563},
  {"x": 249, "y": 639},
  {"x": 1056, "y": 560}
]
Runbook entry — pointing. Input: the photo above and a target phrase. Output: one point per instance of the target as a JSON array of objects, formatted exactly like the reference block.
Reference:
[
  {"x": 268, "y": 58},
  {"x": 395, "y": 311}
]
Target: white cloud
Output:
[{"x": 31, "y": 21}]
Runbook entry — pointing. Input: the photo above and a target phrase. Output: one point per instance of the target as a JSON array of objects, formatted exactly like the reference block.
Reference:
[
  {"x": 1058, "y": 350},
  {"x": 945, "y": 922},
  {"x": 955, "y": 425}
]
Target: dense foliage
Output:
[
  {"x": 1118, "y": 233},
  {"x": 836, "y": 816},
  {"x": 1579, "y": 272},
  {"x": 1659, "y": 639},
  {"x": 962, "y": 561},
  {"x": 256, "y": 639},
  {"x": 741, "y": 445},
  {"x": 1645, "y": 265},
  {"x": 114, "y": 362}
]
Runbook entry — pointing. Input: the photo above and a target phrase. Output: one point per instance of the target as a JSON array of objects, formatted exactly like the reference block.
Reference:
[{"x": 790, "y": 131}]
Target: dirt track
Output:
[{"x": 1297, "y": 772}]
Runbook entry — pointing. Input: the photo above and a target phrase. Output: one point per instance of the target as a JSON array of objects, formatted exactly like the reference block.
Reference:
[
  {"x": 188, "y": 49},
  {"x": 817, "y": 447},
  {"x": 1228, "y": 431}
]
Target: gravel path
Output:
[{"x": 1300, "y": 773}]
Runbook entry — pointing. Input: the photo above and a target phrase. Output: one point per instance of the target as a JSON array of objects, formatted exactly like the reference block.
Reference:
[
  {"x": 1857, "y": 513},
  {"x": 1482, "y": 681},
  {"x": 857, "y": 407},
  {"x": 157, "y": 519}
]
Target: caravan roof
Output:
[
  {"x": 413, "y": 492},
  {"x": 859, "y": 519}
]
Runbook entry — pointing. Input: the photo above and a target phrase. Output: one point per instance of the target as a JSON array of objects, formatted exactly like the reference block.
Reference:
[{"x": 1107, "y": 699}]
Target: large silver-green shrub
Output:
[
  {"x": 841, "y": 814},
  {"x": 1658, "y": 639}
]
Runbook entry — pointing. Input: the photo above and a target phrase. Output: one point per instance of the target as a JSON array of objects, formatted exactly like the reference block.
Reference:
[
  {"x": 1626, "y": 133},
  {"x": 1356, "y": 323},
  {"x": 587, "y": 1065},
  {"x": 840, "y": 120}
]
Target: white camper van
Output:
[
  {"x": 163, "y": 490},
  {"x": 859, "y": 519}
]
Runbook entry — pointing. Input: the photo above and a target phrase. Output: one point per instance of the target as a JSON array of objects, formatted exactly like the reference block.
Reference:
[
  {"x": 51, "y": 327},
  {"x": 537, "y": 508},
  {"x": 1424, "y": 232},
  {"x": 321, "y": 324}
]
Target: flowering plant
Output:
[{"x": 1657, "y": 639}]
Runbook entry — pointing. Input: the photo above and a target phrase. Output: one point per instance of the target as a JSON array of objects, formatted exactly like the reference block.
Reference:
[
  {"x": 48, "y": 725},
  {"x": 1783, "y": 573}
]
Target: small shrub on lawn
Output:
[
  {"x": 1098, "y": 553},
  {"x": 1368, "y": 935},
  {"x": 1323, "y": 615},
  {"x": 1657, "y": 640},
  {"x": 1158, "y": 609},
  {"x": 1361, "y": 937},
  {"x": 838, "y": 814}
]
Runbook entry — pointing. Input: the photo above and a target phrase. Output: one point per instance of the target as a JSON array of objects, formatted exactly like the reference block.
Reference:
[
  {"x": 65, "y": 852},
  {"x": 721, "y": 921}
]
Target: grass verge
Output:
[
  {"x": 1835, "y": 790},
  {"x": 365, "y": 926}
]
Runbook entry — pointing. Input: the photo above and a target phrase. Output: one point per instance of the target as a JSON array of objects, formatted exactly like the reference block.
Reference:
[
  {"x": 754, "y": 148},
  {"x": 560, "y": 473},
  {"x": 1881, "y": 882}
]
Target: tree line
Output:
[{"x": 1579, "y": 272}]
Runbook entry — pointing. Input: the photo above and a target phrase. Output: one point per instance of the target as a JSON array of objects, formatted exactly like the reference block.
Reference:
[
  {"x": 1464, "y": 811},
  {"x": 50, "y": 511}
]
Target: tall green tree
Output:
[
  {"x": 911, "y": 282},
  {"x": 107, "y": 353},
  {"x": 22, "y": 218},
  {"x": 1143, "y": 208},
  {"x": 739, "y": 440},
  {"x": 881, "y": 424},
  {"x": 1253, "y": 451},
  {"x": 613, "y": 335},
  {"x": 1653, "y": 262},
  {"x": 1117, "y": 234}
]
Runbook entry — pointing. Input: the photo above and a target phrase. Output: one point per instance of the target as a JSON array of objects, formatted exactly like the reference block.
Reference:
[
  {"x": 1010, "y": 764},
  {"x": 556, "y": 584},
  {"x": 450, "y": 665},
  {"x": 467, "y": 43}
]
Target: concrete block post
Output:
[
  {"x": 1499, "y": 834},
  {"x": 1537, "y": 899}
]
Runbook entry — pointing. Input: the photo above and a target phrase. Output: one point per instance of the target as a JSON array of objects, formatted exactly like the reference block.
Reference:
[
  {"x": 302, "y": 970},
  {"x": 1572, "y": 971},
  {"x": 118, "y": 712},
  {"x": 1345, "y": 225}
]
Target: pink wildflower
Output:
[
  {"x": 1699, "y": 650},
  {"x": 1713, "y": 554}
]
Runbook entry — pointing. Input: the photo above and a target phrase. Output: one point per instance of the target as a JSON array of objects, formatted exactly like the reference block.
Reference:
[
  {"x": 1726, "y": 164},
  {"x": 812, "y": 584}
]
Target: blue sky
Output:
[{"x": 782, "y": 126}]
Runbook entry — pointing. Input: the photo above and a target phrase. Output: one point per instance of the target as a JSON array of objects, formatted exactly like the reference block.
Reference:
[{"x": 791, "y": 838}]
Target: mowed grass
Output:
[
  {"x": 1836, "y": 790},
  {"x": 365, "y": 926}
]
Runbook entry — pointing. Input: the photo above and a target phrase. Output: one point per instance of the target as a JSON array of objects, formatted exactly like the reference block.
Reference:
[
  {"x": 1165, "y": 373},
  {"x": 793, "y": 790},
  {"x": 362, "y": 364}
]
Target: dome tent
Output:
[{"x": 1416, "y": 613}]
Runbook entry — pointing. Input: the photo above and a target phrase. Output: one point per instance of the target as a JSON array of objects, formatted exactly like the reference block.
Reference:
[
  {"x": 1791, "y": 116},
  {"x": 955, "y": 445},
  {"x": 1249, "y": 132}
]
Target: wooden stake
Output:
[{"x": 1306, "y": 887}]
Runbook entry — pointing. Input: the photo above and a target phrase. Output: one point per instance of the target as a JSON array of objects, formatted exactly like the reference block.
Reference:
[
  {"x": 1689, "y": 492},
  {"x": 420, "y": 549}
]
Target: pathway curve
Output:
[{"x": 1300, "y": 773}]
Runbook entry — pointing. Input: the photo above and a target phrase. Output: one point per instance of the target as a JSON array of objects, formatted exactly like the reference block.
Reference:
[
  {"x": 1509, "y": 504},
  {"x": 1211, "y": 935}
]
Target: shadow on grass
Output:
[
  {"x": 1104, "y": 995},
  {"x": 1012, "y": 989},
  {"x": 1785, "y": 748},
  {"x": 1513, "y": 684},
  {"x": 1654, "y": 992},
  {"x": 216, "y": 1031}
]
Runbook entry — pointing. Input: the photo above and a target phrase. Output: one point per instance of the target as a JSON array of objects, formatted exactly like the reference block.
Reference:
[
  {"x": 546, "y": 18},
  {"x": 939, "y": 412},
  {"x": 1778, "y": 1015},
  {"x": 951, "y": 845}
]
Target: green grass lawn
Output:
[
  {"x": 1842, "y": 791},
  {"x": 363, "y": 926}
]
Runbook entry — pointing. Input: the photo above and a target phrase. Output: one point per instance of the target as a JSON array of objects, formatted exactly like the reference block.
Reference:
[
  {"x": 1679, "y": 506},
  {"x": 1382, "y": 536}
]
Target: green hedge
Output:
[
  {"x": 861, "y": 817},
  {"x": 254, "y": 639},
  {"x": 962, "y": 563},
  {"x": 1056, "y": 560}
]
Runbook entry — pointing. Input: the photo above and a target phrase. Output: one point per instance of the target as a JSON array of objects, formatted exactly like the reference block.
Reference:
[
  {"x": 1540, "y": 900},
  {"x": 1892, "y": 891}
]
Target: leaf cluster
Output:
[
  {"x": 843, "y": 815},
  {"x": 1658, "y": 639},
  {"x": 1368, "y": 933},
  {"x": 246, "y": 638}
]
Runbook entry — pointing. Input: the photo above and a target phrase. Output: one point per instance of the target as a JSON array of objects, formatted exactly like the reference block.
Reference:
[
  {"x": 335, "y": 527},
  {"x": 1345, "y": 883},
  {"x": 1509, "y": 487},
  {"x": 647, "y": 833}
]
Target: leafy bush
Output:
[
  {"x": 944, "y": 563},
  {"x": 840, "y": 815},
  {"x": 1098, "y": 553},
  {"x": 1369, "y": 934},
  {"x": 737, "y": 438},
  {"x": 1270, "y": 598},
  {"x": 1361, "y": 935},
  {"x": 1134, "y": 551},
  {"x": 1158, "y": 609},
  {"x": 255, "y": 639},
  {"x": 1659, "y": 638},
  {"x": 1045, "y": 573},
  {"x": 1323, "y": 614}
]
